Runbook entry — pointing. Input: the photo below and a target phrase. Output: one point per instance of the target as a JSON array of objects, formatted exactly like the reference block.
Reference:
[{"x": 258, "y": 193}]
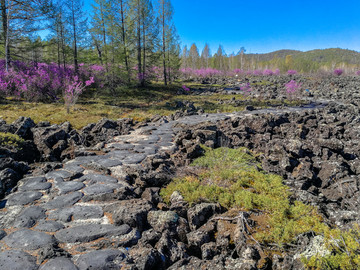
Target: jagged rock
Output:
[{"x": 200, "y": 214}]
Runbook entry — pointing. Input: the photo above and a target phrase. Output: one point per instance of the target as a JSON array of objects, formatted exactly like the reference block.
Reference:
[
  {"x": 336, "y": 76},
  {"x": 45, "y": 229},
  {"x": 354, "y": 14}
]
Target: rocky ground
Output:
[{"x": 92, "y": 198}]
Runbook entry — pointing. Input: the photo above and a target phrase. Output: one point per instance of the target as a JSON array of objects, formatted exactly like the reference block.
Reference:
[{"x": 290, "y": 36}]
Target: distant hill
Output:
[{"x": 335, "y": 55}]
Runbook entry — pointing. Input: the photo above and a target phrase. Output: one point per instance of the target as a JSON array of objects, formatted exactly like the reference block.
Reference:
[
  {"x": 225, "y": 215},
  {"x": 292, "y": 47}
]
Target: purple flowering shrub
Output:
[
  {"x": 292, "y": 88},
  {"x": 338, "y": 71},
  {"x": 358, "y": 73},
  {"x": 292, "y": 72},
  {"x": 47, "y": 82},
  {"x": 73, "y": 90},
  {"x": 246, "y": 89}
]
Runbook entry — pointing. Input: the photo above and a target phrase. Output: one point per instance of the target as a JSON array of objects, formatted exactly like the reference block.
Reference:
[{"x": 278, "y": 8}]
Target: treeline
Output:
[
  {"x": 128, "y": 37},
  {"x": 284, "y": 60}
]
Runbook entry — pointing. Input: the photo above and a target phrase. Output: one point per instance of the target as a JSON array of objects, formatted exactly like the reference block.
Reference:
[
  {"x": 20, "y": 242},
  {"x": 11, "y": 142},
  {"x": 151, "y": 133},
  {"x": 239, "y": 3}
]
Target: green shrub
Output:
[
  {"x": 344, "y": 247},
  {"x": 9, "y": 139},
  {"x": 233, "y": 178}
]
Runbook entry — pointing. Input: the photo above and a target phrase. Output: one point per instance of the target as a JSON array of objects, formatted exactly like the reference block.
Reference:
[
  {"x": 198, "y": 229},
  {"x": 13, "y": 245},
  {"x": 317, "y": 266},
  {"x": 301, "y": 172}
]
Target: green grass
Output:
[
  {"x": 233, "y": 178},
  {"x": 126, "y": 102}
]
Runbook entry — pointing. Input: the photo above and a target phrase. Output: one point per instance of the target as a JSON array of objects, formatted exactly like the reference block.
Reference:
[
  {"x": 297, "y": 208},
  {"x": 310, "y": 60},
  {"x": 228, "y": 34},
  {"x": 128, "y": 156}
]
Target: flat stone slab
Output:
[
  {"x": 29, "y": 216},
  {"x": 90, "y": 232},
  {"x": 73, "y": 168},
  {"x": 22, "y": 198},
  {"x": 134, "y": 159},
  {"x": 49, "y": 226},
  {"x": 60, "y": 173},
  {"x": 70, "y": 186},
  {"x": 120, "y": 146},
  {"x": 77, "y": 212},
  {"x": 59, "y": 263},
  {"x": 101, "y": 259},
  {"x": 35, "y": 183},
  {"x": 28, "y": 239},
  {"x": 107, "y": 163},
  {"x": 100, "y": 189},
  {"x": 98, "y": 178},
  {"x": 64, "y": 200},
  {"x": 17, "y": 260}
]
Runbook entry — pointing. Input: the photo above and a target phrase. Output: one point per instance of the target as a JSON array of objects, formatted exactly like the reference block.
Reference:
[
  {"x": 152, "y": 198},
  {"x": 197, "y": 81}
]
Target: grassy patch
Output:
[
  {"x": 9, "y": 139},
  {"x": 233, "y": 178}
]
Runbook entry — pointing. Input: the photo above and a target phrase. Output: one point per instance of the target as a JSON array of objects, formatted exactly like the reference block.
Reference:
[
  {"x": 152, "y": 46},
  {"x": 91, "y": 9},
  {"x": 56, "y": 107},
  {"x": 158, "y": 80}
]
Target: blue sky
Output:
[{"x": 264, "y": 26}]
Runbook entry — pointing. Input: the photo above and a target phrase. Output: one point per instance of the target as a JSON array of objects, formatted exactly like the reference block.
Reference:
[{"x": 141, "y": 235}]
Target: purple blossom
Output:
[
  {"x": 292, "y": 72},
  {"x": 338, "y": 71}
]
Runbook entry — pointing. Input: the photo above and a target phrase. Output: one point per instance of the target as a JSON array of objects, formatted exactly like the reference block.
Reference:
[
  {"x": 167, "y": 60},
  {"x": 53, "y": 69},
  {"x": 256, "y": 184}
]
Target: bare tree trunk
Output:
[
  {"x": 76, "y": 64},
  {"x": 124, "y": 39},
  {"x": 163, "y": 41},
  {"x": 139, "y": 44},
  {"x": 5, "y": 24}
]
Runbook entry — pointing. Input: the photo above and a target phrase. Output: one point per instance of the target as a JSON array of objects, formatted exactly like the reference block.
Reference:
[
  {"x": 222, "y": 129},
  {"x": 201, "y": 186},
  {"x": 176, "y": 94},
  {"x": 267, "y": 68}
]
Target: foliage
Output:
[
  {"x": 344, "y": 247},
  {"x": 338, "y": 71},
  {"x": 234, "y": 178},
  {"x": 9, "y": 139},
  {"x": 292, "y": 88}
]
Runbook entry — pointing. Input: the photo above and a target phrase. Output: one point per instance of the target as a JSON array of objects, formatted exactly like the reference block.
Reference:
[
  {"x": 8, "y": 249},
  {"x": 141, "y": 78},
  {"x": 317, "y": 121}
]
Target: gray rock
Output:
[
  {"x": 73, "y": 168},
  {"x": 17, "y": 260},
  {"x": 29, "y": 216},
  {"x": 28, "y": 239},
  {"x": 49, "y": 226},
  {"x": 200, "y": 213},
  {"x": 35, "y": 183},
  {"x": 64, "y": 200},
  {"x": 90, "y": 232},
  {"x": 134, "y": 159},
  {"x": 22, "y": 198},
  {"x": 107, "y": 163},
  {"x": 66, "y": 187},
  {"x": 99, "y": 189},
  {"x": 77, "y": 212},
  {"x": 161, "y": 220},
  {"x": 132, "y": 212},
  {"x": 60, "y": 173},
  {"x": 98, "y": 178},
  {"x": 59, "y": 263},
  {"x": 102, "y": 259}
]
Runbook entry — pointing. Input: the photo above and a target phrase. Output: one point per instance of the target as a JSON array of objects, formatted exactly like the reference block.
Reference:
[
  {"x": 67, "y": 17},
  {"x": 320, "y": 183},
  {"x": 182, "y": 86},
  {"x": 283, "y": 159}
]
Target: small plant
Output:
[
  {"x": 292, "y": 72},
  {"x": 292, "y": 88},
  {"x": 246, "y": 88},
  {"x": 185, "y": 88},
  {"x": 338, "y": 72},
  {"x": 9, "y": 139},
  {"x": 73, "y": 90}
]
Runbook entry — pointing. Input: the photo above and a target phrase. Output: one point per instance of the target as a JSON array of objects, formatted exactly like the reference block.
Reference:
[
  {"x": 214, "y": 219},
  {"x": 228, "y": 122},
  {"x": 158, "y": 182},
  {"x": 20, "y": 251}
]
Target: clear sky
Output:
[
  {"x": 267, "y": 25},
  {"x": 264, "y": 26}
]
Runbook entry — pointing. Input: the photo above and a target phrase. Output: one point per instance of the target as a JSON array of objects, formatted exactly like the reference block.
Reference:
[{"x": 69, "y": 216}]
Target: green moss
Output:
[
  {"x": 233, "y": 178},
  {"x": 9, "y": 139}
]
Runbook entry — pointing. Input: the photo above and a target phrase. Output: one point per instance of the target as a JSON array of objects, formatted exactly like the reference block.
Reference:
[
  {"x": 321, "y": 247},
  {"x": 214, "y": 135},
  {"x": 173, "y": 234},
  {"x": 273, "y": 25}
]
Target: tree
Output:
[
  {"x": 78, "y": 26},
  {"x": 205, "y": 56},
  {"x": 194, "y": 56},
  {"x": 146, "y": 33},
  {"x": 219, "y": 60},
  {"x": 20, "y": 18},
  {"x": 185, "y": 57},
  {"x": 168, "y": 35}
]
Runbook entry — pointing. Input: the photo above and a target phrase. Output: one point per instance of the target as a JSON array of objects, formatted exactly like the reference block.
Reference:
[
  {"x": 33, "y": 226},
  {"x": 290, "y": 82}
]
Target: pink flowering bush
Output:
[
  {"x": 246, "y": 88},
  {"x": 73, "y": 90},
  {"x": 292, "y": 72},
  {"x": 292, "y": 88},
  {"x": 358, "y": 73},
  {"x": 338, "y": 71},
  {"x": 268, "y": 72}
]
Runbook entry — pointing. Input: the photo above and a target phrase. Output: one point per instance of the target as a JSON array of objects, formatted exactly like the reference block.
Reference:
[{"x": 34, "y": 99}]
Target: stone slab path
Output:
[{"x": 64, "y": 219}]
